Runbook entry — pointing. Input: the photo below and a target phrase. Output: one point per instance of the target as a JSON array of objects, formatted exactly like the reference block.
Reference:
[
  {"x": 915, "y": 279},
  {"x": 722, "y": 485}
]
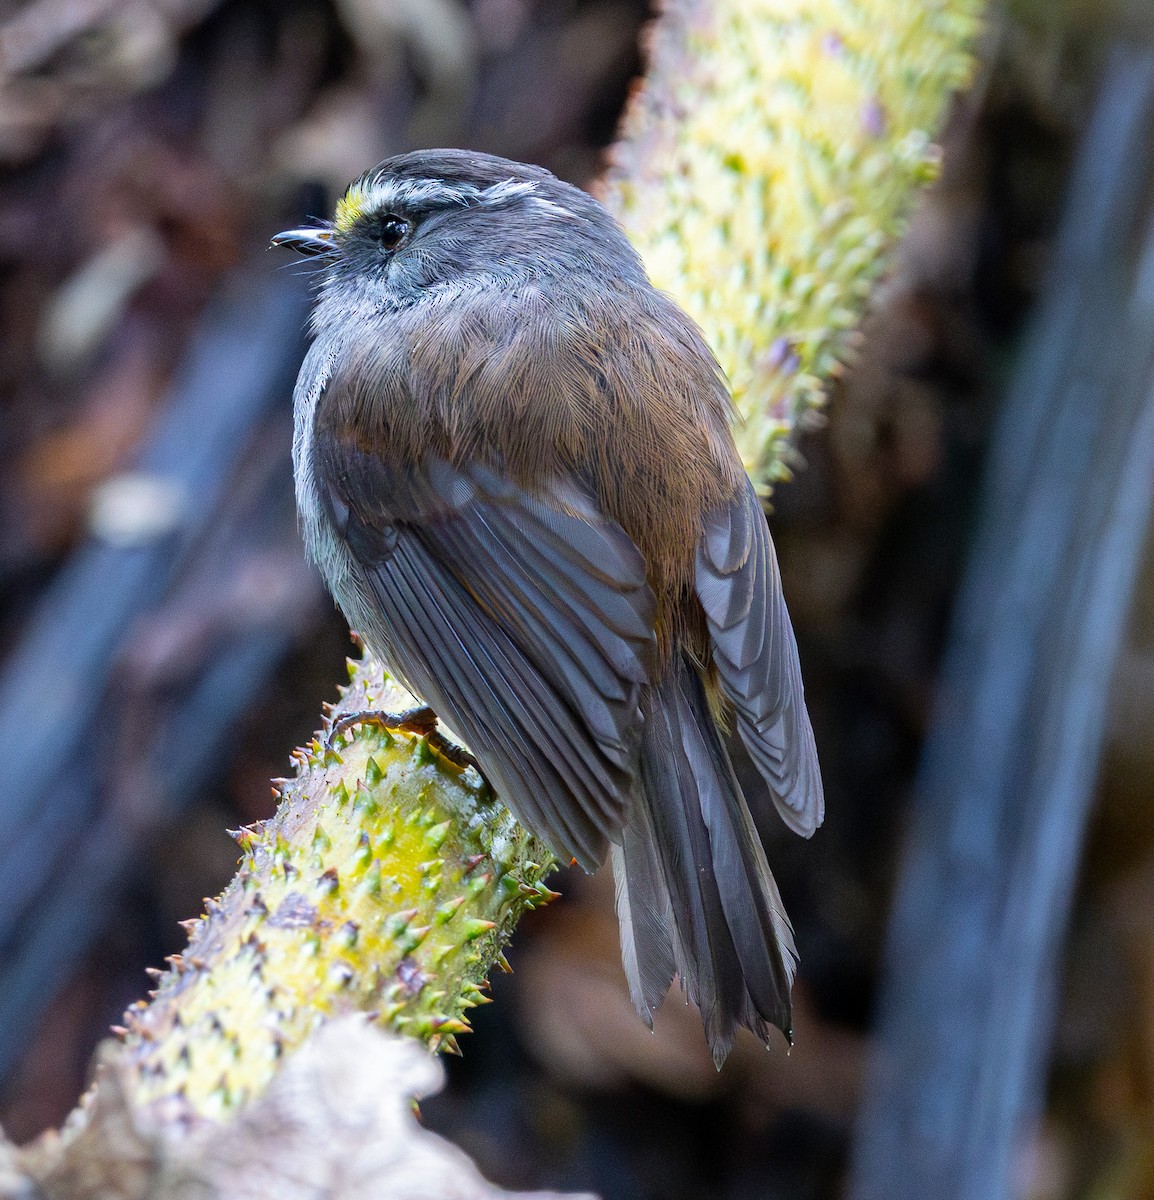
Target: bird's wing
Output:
[
  {"x": 524, "y": 620},
  {"x": 739, "y": 587}
]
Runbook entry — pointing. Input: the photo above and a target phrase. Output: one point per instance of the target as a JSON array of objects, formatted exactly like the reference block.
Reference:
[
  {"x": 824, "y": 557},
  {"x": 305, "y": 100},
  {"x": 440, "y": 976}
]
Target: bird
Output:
[{"x": 515, "y": 469}]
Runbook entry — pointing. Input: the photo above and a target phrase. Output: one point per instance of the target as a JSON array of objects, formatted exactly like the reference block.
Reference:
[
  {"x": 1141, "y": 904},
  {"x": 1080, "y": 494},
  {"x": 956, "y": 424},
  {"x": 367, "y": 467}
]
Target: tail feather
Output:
[
  {"x": 694, "y": 887},
  {"x": 646, "y": 916},
  {"x": 702, "y": 947}
]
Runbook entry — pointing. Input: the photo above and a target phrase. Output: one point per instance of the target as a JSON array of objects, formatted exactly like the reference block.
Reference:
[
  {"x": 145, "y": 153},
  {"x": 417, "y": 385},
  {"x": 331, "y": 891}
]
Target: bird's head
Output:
[{"x": 445, "y": 218}]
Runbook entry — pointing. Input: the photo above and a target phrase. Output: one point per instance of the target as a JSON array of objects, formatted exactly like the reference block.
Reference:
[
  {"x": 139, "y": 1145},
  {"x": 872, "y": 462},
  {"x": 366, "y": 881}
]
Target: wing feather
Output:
[
  {"x": 739, "y": 587},
  {"x": 525, "y": 620}
]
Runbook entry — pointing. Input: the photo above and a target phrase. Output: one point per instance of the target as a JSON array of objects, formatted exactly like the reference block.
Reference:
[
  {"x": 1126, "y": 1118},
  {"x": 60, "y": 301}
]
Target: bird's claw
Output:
[{"x": 420, "y": 720}]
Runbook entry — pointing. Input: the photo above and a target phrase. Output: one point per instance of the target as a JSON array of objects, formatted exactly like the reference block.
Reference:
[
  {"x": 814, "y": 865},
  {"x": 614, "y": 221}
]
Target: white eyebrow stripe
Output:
[{"x": 380, "y": 195}]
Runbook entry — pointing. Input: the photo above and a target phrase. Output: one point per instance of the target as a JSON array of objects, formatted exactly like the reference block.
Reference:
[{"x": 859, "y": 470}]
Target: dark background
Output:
[{"x": 150, "y": 150}]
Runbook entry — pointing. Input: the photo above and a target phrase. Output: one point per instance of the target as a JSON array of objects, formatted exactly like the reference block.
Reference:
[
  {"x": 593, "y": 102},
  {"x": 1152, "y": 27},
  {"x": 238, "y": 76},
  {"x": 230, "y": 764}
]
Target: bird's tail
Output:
[{"x": 694, "y": 891}]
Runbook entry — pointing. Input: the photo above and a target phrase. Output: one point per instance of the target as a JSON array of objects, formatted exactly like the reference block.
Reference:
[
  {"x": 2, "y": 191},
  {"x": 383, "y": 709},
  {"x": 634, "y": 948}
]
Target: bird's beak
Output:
[{"x": 312, "y": 242}]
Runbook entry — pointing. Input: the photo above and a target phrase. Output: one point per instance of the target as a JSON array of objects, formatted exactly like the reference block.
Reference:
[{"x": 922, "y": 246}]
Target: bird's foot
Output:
[{"x": 420, "y": 720}]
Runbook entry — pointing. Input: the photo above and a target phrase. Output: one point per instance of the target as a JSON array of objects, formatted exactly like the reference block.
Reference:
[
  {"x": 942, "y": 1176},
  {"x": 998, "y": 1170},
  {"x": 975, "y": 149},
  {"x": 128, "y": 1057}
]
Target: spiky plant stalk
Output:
[
  {"x": 766, "y": 166},
  {"x": 388, "y": 882}
]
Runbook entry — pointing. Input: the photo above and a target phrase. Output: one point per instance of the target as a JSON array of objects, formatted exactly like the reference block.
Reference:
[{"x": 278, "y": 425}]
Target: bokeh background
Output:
[{"x": 163, "y": 645}]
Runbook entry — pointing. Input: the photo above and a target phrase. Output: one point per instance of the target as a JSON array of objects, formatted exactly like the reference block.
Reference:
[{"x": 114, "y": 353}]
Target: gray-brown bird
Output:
[{"x": 515, "y": 470}]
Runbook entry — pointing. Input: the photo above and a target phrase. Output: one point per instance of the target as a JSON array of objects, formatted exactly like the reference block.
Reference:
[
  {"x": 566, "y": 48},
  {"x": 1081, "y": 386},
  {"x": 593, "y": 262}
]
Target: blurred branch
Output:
[
  {"x": 65, "y": 846},
  {"x": 1009, "y": 771},
  {"x": 58, "y": 55},
  {"x": 41, "y": 29}
]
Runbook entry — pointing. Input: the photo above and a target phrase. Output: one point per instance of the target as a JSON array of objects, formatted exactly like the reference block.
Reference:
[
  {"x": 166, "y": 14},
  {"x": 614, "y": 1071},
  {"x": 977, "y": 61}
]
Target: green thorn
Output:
[
  {"x": 447, "y": 911},
  {"x": 445, "y": 1025},
  {"x": 414, "y": 936},
  {"x": 363, "y": 854},
  {"x": 371, "y": 884},
  {"x": 244, "y": 837},
  {"x": 365, "y": 805},
  {"x": 396, "y": 925},
  {"x": 436, "y": 836}
]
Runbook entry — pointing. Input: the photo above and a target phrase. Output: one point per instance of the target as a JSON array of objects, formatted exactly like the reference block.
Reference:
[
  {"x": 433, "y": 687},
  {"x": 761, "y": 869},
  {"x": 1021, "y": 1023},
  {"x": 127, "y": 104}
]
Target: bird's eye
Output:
[{"x": 392, "y": 231}]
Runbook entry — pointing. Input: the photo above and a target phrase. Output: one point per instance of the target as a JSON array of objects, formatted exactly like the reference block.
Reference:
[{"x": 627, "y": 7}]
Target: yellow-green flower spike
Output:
[
  {"x": 766, "y": 166},
  {"x": 387, "y": 883}
]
